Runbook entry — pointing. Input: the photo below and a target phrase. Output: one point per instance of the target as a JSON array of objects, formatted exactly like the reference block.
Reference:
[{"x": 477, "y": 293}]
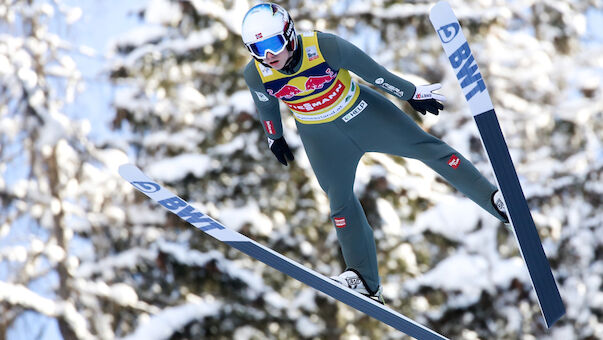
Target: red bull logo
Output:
[
  {"x": 286, "y": 92},
  {"x": 303, "y": 85},
  {"x": 315, "y": 83},
  {"x": 320, "y": 102}
]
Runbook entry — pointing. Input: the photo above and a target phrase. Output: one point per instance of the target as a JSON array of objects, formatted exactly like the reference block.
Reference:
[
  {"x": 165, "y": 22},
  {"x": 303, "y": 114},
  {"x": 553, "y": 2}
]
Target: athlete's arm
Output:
[
  {"x": 266, "y": 104},
  {"x": 340, "y": 53},
  {"x": 270, "y": 114}
]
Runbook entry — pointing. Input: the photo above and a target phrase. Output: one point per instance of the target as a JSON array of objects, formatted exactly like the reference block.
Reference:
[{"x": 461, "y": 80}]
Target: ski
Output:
[
  {"x": 185, "y": 211},
  {"x": 470, "y": 79}
]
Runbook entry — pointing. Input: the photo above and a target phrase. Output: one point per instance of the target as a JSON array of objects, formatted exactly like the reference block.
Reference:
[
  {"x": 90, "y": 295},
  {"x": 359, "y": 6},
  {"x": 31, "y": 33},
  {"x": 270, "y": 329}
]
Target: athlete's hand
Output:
[
  {"x": 425, "y": 99},
  {"x": 280, "y": 149}
]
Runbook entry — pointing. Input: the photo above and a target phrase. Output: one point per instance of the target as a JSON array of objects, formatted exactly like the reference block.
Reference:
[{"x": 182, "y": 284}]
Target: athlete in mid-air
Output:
[{"x": 339, "y": 120}]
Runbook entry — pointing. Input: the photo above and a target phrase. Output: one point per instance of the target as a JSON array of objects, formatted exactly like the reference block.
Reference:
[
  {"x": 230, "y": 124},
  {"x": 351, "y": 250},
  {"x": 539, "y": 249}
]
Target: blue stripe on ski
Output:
[
  {"x": 384, "y": 315},
  {"x": 519, "y": 213}
]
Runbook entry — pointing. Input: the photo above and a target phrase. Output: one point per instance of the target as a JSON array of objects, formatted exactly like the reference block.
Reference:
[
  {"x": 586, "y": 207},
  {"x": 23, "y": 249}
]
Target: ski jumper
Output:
[{"x": 338, "y": 121}]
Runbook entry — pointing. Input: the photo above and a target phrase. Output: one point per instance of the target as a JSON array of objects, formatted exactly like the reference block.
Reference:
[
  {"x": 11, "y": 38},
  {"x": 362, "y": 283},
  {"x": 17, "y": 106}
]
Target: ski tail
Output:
[
  {"x": 474, "y": 88},
  {"x": 199, "y": 220}
]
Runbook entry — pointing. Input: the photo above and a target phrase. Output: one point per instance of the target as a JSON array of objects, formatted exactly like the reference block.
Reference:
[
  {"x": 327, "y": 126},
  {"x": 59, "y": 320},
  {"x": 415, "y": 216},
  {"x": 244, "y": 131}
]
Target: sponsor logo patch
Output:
[
  {"x": 355, "y": 112},
  {"x": 302, "y": 86},
  {"x": 269, "y": 126},
  {"x": 468, "y": 73},
  {"x": 266, "y": 71},
  {"x": 262, "y": 97},
  {"x": 322, "y": 101},
  {"x": 187, "y": 213},
  {"x": 311, "y": 52},
  {"x": 389, "y": 87},
  {"x": 353, "y": 282},
  {"x": 340, "y": 222},
  {"x": 448, "y": 32},
  {"x": 454, "y": 161}
]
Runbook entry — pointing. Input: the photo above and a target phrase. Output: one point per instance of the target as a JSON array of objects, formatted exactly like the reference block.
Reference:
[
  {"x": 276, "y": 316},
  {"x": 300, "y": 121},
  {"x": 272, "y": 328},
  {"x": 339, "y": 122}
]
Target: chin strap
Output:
[{"x": 293, "y": 60}]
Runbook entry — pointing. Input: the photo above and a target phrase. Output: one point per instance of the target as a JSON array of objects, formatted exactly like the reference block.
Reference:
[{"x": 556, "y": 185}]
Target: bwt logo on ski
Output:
[
  {"x": 449, "y": 32},
  {"x": 468, "y": 73},
  {"x": 303, "y": 85},
  {"x": 146, "y": 187},
  {"x": 189, "y": 214}
]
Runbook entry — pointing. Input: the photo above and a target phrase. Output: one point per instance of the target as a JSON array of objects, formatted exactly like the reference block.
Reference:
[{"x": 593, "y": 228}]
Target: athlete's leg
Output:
[
  {"x": 334, "y": 159},
  {"x": 385, "y": 128}
]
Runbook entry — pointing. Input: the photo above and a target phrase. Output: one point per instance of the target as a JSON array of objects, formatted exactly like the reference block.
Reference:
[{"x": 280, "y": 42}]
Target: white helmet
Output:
[{"x": 268, "y": 27}]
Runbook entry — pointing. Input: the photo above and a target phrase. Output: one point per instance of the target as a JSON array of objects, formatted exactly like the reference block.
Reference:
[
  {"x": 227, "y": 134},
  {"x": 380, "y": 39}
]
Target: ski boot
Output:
[
  {"x": 353, "y": 280},
  {"x": 501, "y": 208}
]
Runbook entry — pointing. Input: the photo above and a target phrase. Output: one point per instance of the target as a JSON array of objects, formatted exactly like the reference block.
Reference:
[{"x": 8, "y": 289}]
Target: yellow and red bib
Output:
[{"x": 315, "y": 93}]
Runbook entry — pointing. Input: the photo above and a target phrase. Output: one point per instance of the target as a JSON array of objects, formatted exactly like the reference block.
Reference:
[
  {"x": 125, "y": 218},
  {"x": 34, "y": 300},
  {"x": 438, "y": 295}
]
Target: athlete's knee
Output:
[
  {"x": 340, "y": 202},
  {"x": 433, "y": 149}
]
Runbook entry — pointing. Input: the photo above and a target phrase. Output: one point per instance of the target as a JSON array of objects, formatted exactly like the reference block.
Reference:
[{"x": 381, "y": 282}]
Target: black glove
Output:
[
  {"x": 280, "y": 149},
  {"x": 430, "y": 105},
  {"x": 425, "y": 99}
]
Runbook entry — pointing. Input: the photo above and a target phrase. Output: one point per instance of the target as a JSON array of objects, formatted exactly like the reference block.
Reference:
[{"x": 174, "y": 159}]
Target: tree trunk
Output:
[{"x": 59, "y": 233}]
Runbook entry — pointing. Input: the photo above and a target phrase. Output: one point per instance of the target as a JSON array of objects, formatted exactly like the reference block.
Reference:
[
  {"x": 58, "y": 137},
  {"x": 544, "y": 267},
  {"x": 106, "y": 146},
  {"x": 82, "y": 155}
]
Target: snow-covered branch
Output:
[{"x": 21, "y": 296}]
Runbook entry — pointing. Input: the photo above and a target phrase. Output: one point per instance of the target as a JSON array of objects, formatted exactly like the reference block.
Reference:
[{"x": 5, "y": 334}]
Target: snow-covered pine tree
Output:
[{"x": 59, "y": 194}]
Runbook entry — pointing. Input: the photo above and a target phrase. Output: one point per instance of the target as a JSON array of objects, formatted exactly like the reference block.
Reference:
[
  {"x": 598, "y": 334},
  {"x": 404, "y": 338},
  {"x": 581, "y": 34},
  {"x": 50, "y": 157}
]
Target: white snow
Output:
[
  {"x": 391, "y": 221},
  {"x": 176, "y": 168},
  {"x": 163, "y": 12},
  {"x": 165, "y": 323},
  {"x": 452, "y": 275},
  {"x": 237, "y": 217},
  {"x": 195, "y": 258},
  {"x": 21, "y": 296},
  {"x": 141, "y": 35},
  {"x": 451, "y": 217},
  {"x": 310, "y": 326},
  {"x": 247, "y": 333},
  {"x": 112, "y": 158},
  {"x": 126, "y": 259}
]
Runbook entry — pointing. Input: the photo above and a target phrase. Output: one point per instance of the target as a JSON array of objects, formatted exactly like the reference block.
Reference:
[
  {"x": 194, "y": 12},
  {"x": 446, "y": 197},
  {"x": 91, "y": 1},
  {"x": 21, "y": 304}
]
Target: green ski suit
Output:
[{"x": 371, "y": 124}]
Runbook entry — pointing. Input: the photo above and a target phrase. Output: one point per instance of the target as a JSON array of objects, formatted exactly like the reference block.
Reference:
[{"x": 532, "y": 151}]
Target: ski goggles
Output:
[{"x": 274, "y": 44}]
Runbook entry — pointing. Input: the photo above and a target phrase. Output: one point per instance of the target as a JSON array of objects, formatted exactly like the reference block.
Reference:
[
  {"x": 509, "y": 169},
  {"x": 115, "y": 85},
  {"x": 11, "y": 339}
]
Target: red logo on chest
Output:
[
  {"x": 303, "y": 85},
  {"x": 321, "y": 102}
]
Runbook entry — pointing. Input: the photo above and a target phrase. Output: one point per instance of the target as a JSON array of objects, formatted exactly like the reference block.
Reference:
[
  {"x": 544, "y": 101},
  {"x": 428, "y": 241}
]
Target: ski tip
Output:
[
  {"x": 122, "y": 168},
  {"x": 440, "y": 6},
  {"x": 441, "y": 13},
  {"x": 125, "y": 170}
]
